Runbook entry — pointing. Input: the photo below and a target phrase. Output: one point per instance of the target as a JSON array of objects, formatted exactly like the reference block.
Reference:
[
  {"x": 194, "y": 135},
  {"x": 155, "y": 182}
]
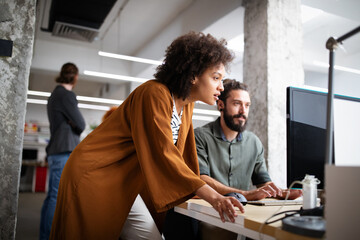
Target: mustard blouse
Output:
[{"x": 131, "y": 152}]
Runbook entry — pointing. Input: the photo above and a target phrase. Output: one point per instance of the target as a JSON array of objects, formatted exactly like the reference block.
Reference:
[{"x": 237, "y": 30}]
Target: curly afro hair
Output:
[{"x": 189, "y": 56}]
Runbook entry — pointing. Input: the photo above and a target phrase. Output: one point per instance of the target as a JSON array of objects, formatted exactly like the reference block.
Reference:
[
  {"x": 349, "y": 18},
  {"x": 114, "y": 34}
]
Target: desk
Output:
[{"x": 247, "y": 224}]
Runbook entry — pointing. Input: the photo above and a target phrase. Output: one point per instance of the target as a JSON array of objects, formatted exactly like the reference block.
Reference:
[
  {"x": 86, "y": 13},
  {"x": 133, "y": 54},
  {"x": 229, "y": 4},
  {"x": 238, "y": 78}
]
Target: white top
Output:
[{"x": 175, "y": 123}]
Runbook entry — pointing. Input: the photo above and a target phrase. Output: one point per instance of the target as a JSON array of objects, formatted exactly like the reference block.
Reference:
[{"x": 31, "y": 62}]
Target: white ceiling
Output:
[{"x": 145, "y": 28}]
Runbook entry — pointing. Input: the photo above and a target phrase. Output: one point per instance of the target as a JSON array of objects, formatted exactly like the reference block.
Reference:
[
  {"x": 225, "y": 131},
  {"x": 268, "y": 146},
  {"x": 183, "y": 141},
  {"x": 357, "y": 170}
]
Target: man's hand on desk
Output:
[
  {"x": 271, "y": 190},
  {"x": 294, "y": 194},
  {"x": 281, "y": 193},
  {"x": 266, "y": 190}
]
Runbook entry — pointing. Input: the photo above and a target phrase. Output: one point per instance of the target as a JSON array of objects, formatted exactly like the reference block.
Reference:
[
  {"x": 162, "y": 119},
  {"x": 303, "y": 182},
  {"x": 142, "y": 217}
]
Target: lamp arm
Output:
[{"x": 331, "y": 45}]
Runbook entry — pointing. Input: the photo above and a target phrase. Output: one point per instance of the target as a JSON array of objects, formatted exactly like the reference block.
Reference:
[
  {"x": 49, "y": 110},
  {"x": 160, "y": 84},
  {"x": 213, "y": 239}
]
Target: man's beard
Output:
[{"x": 229, "y": 121}]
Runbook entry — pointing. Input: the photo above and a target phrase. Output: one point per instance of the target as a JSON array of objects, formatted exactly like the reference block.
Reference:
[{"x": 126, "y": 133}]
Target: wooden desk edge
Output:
[{"x": 273, "y": 230}]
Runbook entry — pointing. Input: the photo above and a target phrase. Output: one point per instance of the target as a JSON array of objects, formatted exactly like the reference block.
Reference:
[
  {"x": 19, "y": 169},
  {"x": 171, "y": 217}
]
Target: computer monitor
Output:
[{"x": 306, "y": 133}]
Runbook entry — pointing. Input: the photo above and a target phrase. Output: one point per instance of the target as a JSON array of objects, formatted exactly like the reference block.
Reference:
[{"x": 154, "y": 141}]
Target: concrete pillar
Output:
[
  {"x": 17, "y": 23},
  {"x": 272, "y": 61}
]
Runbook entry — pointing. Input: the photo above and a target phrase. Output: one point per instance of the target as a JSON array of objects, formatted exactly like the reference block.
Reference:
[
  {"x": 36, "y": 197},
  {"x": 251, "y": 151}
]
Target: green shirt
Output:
[{"x": 238, "y": 164}]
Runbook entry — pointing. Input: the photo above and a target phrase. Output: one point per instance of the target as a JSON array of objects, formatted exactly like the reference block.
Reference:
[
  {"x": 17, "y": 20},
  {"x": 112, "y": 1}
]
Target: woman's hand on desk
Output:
[{"x": 225, "y": 206}]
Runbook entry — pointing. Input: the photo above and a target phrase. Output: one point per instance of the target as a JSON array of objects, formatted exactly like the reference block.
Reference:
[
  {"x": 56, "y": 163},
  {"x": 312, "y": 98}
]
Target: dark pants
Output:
[{"x": 180, "y": 227}]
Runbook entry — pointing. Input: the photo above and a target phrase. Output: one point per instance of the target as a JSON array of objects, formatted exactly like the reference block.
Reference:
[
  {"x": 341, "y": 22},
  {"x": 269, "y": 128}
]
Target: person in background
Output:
[
  {"x": 146, "y": 146},
  {"x": 66, "y": 125},
  {"x": 231, "y": 159}
]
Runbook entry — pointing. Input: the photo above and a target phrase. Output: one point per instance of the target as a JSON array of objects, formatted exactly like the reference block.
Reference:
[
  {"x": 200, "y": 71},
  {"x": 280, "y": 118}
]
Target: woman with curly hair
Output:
[{"x": 146, "y": 147}]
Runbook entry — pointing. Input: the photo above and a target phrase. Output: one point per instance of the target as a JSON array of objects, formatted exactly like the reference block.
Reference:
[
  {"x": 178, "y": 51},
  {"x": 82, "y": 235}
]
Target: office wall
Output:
[{"x": 345, "y": 83}]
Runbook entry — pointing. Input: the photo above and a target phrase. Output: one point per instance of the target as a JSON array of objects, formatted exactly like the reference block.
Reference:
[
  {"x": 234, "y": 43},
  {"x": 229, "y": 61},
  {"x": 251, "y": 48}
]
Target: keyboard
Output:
[
  {"x": 279, "y": 202},
  {"x": 276, "y": 202}
]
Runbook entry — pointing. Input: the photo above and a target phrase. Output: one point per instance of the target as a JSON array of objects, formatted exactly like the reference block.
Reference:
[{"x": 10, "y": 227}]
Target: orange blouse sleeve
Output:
[{"x": 168, "y": 178}]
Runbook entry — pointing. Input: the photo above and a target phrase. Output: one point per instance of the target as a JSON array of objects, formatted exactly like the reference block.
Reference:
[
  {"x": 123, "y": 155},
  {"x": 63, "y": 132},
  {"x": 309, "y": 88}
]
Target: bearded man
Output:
[{"x": 231, "y": 159}]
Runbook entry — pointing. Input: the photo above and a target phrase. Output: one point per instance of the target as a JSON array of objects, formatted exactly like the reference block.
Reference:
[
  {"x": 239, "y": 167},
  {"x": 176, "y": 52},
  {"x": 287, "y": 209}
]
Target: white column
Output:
[
  {"x": 17, "y": 23},
  {"x": 272, "y": 61}
]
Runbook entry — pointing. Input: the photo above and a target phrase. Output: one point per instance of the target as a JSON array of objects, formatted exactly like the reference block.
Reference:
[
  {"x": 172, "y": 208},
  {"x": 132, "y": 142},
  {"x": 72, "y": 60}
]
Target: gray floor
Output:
[{"x": 28, "y": 218}]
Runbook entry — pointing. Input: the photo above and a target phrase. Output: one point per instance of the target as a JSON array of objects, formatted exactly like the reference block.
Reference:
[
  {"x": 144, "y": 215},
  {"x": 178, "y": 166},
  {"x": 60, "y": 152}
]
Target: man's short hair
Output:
[{"x": 229, "y": 85}]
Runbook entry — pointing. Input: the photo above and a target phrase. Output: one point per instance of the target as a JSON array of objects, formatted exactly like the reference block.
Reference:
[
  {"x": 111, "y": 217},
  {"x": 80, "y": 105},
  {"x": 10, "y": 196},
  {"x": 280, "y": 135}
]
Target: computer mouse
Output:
[{"x": 238, "y": 196}]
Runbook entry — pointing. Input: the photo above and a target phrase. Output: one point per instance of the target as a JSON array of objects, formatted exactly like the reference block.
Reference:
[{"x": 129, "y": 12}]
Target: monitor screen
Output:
[{"x": 306, "y": 134}]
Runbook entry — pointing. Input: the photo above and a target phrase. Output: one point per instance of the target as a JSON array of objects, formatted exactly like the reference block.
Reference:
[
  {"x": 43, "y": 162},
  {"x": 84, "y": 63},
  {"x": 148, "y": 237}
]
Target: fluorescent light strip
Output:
[
  {"x": 38, "y": 93},
  {"x": 115, "y": 102},
  {"x": 115, "y": 76},
  {"x": 36, "y": 101},
  {"x": 346, "y": 69},
  {"x": 80, "y": 105},
  {"x": 93, "y": 107},
  {"x": 337, "y": 67},
  {"x": 80, "y": 98},
  {"x": 206, "y": 112},
  {"x": 99, "y": 100},
  {"x": 203, "y": 118},
  {"x": 200, "y": 102},
  {"x": 106, "y": 108},
  {"x": 129, "y": 58}
]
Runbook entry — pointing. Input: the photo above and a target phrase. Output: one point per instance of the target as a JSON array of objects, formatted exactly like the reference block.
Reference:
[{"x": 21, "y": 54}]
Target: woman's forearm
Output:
[{"x": 225, "y": 206}]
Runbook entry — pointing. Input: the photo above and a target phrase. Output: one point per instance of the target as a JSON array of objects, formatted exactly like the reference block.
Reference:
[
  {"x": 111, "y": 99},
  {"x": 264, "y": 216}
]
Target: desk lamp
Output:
[
  {"x": 307, "y": 224},
  {"x": 332, "y": 45}
]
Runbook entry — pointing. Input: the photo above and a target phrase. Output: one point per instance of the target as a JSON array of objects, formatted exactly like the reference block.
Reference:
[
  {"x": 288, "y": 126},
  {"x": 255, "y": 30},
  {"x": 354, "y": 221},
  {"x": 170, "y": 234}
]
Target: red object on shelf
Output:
[{"x": 40, "y": 179}]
